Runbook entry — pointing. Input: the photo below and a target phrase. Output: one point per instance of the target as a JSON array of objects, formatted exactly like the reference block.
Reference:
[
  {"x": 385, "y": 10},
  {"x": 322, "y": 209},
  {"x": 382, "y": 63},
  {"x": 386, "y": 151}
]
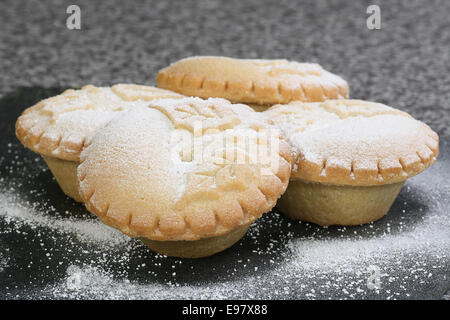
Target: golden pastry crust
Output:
[
  {"x": 162, "y": 189},
  {"x": 203, "y": 247},
  {"x": 58, "y": 126},
  {"x": 264, "y": 82},
  {"x": 354, "y": 142}
]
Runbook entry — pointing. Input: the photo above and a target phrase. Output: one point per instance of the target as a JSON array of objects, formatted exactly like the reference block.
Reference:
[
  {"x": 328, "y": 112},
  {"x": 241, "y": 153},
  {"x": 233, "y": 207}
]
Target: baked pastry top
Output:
[
  {"x": 58, "y": 126},
  {"x": 184, "y": 169},
  {"x": 263, "y": 82},
  {"x": 354, "y": 142}
]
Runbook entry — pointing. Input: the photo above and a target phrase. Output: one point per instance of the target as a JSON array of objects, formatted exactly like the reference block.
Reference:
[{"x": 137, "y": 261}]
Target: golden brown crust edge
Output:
[
  {"x": 248, "y": 92},
  {"x": 386, "y": 172}
]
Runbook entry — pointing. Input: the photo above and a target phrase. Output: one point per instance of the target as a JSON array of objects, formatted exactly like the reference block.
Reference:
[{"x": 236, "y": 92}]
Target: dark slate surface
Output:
[{"x": 405, "y": 64}]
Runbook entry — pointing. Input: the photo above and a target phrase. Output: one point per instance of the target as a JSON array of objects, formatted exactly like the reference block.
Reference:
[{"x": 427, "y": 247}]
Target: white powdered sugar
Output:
[
  {"x": 345, "y": 254},
  {"x": 408, "y": 250},
  {"x": 70, "y": 117},
  {"x": 356, "y": 133}
]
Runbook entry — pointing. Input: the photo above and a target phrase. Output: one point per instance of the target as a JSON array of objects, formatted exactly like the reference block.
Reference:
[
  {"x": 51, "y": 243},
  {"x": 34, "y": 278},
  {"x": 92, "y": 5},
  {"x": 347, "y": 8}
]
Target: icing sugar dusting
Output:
[
  {"x": 70, "y": 117},
  {"x": 277, "y": 259},
  {"x": 343, "y": 254}
]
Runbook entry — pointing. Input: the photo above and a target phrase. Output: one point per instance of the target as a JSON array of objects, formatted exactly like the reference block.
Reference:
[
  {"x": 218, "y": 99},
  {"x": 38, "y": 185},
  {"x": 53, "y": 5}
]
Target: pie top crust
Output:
[
  {"x": 264, "y": 82},
  {"x": 165, "y": 187},
  {"x": 58, "y": 126},
  {"x": 354, "y": 142}
]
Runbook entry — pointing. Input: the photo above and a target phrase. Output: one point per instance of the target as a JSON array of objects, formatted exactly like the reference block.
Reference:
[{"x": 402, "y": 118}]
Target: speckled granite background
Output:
[{"x": 406, "y": 64}]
